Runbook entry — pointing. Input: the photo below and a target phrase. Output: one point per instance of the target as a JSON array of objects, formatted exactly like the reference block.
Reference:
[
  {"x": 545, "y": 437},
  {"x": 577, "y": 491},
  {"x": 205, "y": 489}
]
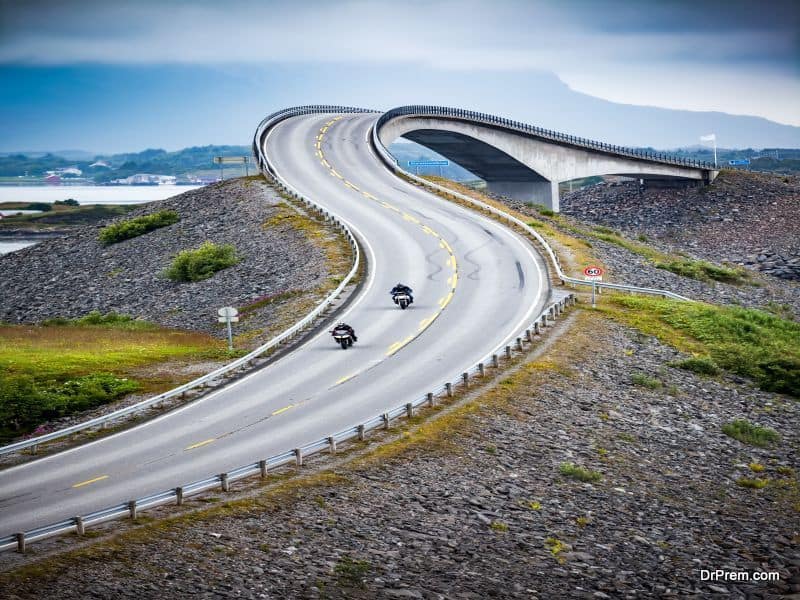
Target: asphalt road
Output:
[{"x": 475, "y": 283}]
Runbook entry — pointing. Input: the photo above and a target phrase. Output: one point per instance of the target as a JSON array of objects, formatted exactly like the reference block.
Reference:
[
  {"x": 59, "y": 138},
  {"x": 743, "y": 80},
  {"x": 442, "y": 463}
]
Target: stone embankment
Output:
[
  {"x": 743, "y": 218},
  {"x": 75, "y": 274}
]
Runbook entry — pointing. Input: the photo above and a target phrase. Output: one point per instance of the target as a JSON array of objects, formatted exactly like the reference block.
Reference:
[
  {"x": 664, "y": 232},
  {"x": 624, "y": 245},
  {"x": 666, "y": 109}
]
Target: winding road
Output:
[{"x": 475, "y": 282}]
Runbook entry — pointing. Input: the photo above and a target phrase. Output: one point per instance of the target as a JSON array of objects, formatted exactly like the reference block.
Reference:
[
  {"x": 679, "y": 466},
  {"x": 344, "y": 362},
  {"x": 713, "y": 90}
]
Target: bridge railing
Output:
[
  {"x": 539, "y": 132},
  {"x": 514, "y": 343}
]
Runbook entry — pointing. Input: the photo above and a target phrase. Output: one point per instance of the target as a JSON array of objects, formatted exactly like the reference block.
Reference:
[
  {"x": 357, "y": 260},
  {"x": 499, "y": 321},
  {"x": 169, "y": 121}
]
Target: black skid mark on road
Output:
[
  {"x": 437, "y": 268},
  {"x": 474, "y": 274}
]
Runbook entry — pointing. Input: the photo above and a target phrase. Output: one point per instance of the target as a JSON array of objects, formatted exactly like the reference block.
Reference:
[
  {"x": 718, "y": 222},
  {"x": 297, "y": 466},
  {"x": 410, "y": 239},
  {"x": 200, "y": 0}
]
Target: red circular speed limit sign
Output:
[{"x": 593, "y": 271}]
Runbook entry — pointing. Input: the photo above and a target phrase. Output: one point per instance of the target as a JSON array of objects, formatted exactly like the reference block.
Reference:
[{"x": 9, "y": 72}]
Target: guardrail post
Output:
[
  {"x": 481, "y": 370},
  {"x": 132, "y": 509},
  {"x": 298, "y": 457},
  {"x": 519, "y": 344},
  {"x": 385, "y": 417},
  {"x": 536, "y": 329},
  {"x": 80, "y": 528},
  {"x": 21, "y": 542},
  {"x": 332, "y": 445},
  {"x": 528, "y": 336},
  {"x": 429, "y": 397},
  {"x": 360, "y": 433},
  {"x": 508, "y": 351},
  {"x": 179, "y": 496},
  {"x": 495, "y": 361},
  {"x": 448, "y": 388},
  {"x": 34, "y": 448},
  {"x": 544, "y": 321},
  {"x": 223, "y": 480},
  {"x": 550, "y": 314},
  {"x": 465, "y": 379},
  {"x": 409, "y": 409}
]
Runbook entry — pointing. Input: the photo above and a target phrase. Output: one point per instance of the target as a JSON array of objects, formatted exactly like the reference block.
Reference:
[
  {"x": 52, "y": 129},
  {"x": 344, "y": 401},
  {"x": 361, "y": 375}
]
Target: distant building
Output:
[{"x": 52, "y": 179}]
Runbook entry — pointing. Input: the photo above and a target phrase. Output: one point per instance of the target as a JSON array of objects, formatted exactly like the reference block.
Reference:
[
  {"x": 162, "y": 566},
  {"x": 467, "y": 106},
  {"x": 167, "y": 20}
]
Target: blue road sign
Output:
[
  {"x": 428, "y": 163},
  {"x": 741, "y": 161}
]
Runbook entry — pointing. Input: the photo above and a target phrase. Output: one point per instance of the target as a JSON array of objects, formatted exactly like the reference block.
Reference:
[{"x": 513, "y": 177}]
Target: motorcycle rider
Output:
[
  {"x": 348, "y": 329},
  {"x": 402, "y": 289}
]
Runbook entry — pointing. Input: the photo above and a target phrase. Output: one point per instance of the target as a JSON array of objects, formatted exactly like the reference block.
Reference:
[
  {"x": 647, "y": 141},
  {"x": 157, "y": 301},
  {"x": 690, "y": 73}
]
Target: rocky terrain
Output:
[
  {"x": 75, "y": 274},
  {"x": 742, "y": 218},
  {"x": 480, "y": 508}
]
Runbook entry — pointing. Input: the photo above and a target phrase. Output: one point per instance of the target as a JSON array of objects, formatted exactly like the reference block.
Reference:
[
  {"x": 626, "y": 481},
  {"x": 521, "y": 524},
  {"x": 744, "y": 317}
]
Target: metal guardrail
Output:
[
  {"x": 392, "y": 164},
  {"x": 547, "y": 134},
  {"x": 130, "y": 509},
  {"x": 287, "y": 335}
]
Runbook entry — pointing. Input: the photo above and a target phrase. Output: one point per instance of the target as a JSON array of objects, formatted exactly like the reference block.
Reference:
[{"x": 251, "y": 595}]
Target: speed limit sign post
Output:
[{"x": 593, "y": 274}]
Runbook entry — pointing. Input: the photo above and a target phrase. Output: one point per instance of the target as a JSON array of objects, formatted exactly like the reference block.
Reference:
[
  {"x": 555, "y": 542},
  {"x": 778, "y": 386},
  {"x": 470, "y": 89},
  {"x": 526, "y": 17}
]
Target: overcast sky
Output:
[{"x": 169, "y": 67}]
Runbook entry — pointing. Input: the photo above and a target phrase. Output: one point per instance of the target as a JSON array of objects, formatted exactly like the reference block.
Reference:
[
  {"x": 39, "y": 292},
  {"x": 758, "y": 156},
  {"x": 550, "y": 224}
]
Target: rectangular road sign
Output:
[
  {"x": 738, "y": 162},
  {"x": 231, "y": 159},
  {"x": 428, "y": 163}
]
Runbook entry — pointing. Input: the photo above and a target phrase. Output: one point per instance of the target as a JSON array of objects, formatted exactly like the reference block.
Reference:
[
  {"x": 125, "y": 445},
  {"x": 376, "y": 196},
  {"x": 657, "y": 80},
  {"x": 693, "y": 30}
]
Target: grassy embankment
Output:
[{"x": 62, "y": 368}]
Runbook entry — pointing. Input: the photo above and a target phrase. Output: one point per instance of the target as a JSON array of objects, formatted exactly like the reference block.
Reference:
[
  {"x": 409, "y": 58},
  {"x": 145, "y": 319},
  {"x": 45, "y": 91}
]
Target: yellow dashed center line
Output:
[
  {"x": 450, "y": 261},
  {"x": 343, "y": 379},
  {"x": 88, "y": 481},
  {"x": 280, "y": 410},
  {"x": 198, "y": 444}
]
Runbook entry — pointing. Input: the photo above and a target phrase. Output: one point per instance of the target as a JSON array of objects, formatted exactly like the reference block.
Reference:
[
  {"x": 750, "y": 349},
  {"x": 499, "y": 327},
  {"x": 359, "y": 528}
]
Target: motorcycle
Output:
[
  {"x": 402, "y": 300},
  {"x": 342, "y": 337}
]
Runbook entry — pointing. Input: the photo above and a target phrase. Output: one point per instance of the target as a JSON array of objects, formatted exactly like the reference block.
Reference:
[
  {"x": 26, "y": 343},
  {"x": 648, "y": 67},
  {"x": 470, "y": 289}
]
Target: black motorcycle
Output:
[
  {"x": 402, "y": 300},
  {"x": 342, "y": 337}
]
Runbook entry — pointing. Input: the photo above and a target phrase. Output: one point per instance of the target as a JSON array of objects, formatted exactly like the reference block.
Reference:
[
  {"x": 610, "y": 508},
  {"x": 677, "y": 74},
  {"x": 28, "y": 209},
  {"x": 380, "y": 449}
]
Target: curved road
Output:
[{"x": 475, "y": 283}]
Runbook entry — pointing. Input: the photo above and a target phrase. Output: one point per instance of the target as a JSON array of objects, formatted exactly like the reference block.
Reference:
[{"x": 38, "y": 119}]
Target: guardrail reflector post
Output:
[
  {"x": 21, "y": 542},
  {"x": 508, "y": 351},
  {"x": 223, "y": 480},
  {"x": 449, "y": 389},
  {"x": 385, "y": 418},
  {"x": 262, "y": 467},
  {"x": 298, "y": 457},
  {"x": 544, "y": 320},
  {"x": 361, "y": 433},
  {"x": 528, "y": 336},
  {"x": 519, "y": 344},
  {"x": 332, "y": 445},
  {"x": 481, "y": 369},
  {"x": 179, "y": 496},
  {"x": 465, "y": 379},
  {"x": 80, "y": 528},
  {"x": 132, "y": 509},
  {"x": 536, "y": 328},
  {"x": 495, "y": 361},
  {"x": 429, "y": 397}
]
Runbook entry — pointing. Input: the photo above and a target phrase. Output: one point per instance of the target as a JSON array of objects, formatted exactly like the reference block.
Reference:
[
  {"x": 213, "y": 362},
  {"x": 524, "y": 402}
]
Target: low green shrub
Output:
[
  {"x": 644, "y": 380},
  {"x": 202, "y": 263},
  {"x": 42, "y": 206},
  {"x": 24, "y": 403},
  {"x": 750, "y": 433},
  {"x": 131, "y": 228},
  {"x": 700, "y": 365},
  {"x": 703, "y": 271},
  {"x": 579, "y": 473},
  {"x": 755, "y": 484},
  {"x": 67, "y": 202}
]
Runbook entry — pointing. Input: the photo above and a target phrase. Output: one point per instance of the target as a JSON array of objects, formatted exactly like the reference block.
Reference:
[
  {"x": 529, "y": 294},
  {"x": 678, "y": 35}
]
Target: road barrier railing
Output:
[
  {"x": 390, "y": 162},
  {"x": 539, "y": 132},
  {"x": 243, "y": 362}
]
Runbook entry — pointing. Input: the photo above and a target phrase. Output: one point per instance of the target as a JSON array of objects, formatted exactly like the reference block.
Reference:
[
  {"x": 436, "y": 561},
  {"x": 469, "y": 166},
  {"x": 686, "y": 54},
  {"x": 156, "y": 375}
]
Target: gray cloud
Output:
[{"x": 697, "y": 55}]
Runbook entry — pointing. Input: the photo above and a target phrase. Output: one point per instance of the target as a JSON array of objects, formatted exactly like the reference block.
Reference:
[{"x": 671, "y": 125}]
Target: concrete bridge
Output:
[{"x": 526, "y": 162}]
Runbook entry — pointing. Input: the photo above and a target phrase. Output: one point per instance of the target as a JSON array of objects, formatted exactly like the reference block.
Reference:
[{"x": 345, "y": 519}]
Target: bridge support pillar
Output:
[{"x": 532, "y": 192}]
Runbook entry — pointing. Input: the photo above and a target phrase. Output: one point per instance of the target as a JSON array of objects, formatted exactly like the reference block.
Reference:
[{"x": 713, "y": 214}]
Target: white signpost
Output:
[
  {"x": 593, "y": 274},
  {"x": 228, "y": 315}
]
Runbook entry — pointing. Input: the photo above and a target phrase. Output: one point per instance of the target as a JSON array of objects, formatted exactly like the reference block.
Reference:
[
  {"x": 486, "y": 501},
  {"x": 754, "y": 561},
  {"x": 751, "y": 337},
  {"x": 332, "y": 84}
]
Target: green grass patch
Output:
[
  {"x": 350, "y": 572},
  {"x": 58, "y": 370},
  {"x": 748, "y": 342},
  {"x": 699, "y": 365},
  {"x": 646, "y": 381},
  {"x": 750, "y": 433},
  {"x": 704, "y": 271},
  {"x": 756, "y": 483},
  {"x": 579, "y": 473},
  {"x": 131, "y": 228},
  {"x": 201, "y": 263}
]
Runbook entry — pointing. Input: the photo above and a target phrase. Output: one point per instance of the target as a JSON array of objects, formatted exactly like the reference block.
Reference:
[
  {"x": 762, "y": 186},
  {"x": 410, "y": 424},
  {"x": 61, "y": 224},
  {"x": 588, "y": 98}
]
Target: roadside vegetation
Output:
[
  {"x": 131, "y": 228},
  {"x": 750, "y": 343},
  {"x": 750, "y": 434},
  {"x": 201, "y": 263},
  {"x": 69, "y": 366}
]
